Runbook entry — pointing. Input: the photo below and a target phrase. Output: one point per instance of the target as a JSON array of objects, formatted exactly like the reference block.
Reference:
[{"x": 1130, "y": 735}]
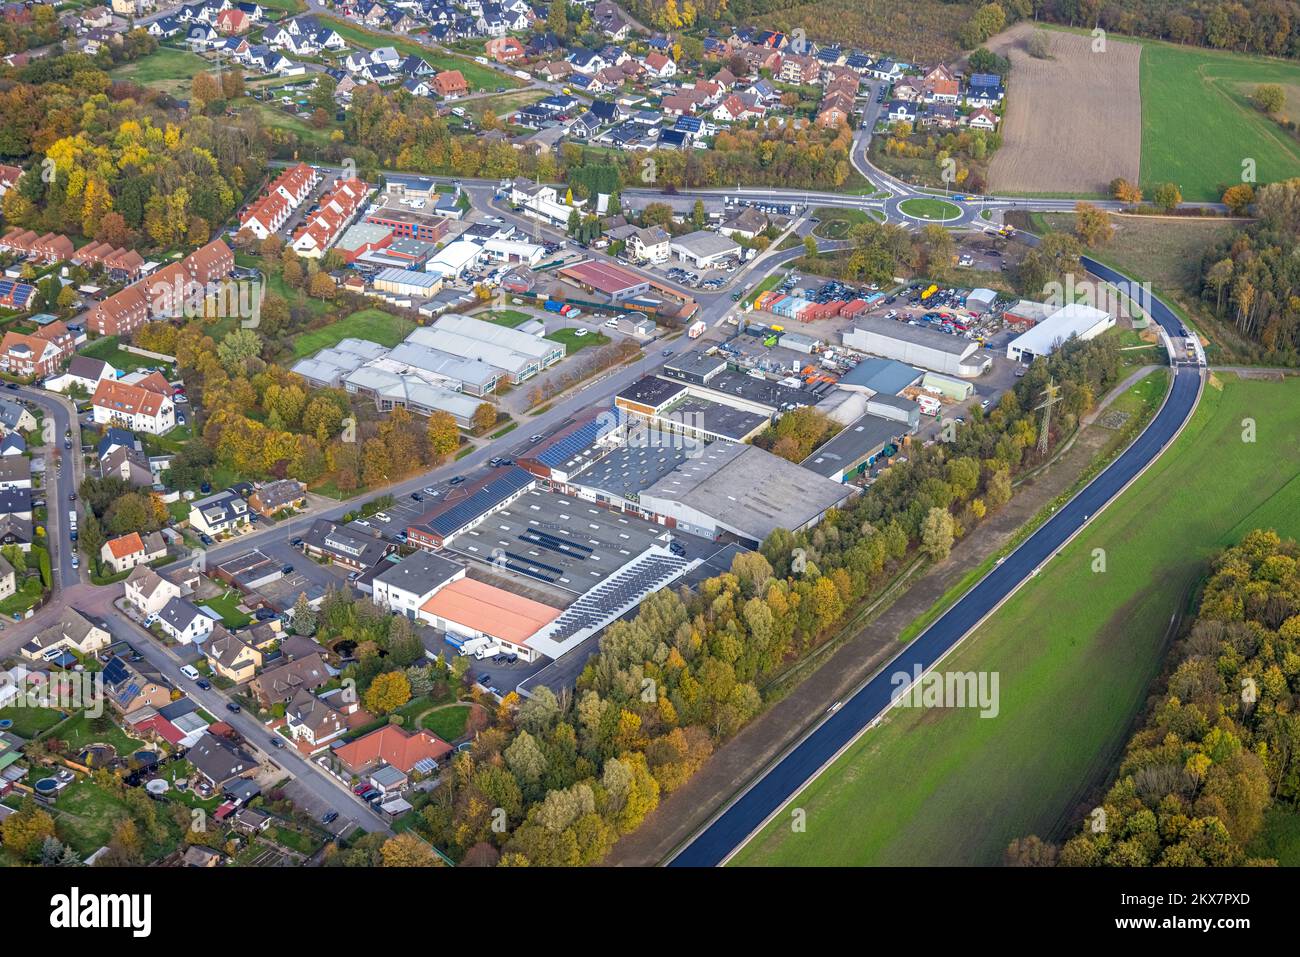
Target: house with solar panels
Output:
[{"x": 15, "y": 294}]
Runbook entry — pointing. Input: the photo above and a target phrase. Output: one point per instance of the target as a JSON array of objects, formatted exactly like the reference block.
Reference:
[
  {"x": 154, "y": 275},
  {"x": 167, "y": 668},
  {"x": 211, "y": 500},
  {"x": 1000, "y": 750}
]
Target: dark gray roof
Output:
[{"x": 420, "y": 573}]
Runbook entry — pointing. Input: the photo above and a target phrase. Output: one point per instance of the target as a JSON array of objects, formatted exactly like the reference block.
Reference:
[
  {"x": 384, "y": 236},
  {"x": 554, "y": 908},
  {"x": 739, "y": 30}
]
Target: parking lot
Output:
[{"x": 568, "y": 543}]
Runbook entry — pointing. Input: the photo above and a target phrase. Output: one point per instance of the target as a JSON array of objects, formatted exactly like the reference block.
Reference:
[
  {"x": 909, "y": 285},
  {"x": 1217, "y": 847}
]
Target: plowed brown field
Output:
[{"x": 1073, "y": 122}]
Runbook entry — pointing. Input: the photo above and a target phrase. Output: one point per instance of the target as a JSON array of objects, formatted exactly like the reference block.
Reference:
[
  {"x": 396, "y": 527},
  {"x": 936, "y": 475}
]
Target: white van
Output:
[{"x": 189, "y": 672}]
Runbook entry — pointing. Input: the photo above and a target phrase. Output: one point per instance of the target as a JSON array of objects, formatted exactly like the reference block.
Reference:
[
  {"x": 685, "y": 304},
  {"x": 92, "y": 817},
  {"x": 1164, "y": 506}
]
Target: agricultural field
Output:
[
  {"x": 373, "y": 324},
  {"x": 1049, "y": 148},
  {"x": 1198, "y": 125},
  {"x": 1148, "y": 111},
  {"x": 947, "y": 787}
]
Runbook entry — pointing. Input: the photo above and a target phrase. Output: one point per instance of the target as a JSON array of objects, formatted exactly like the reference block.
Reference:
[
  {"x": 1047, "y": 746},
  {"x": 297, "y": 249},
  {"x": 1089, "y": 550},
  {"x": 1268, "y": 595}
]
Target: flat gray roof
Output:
[
  {"x": 745, "y": 488},
  {"x": 858, "y": 440},
  {"x": 917, "y": 335},
  {"x": 627, "y": 471},
  {"x": 714, "y": 417}
]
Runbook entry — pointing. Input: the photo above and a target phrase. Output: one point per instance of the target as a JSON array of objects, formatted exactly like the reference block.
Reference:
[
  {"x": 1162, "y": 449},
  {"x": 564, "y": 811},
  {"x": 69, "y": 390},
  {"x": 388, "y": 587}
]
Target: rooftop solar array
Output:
[
  {"x": 480, "y": 502},
  {"x": 649, "y": 572},
  {"x": 16, "y": 293},
  {"x": 579, "y": 440}
]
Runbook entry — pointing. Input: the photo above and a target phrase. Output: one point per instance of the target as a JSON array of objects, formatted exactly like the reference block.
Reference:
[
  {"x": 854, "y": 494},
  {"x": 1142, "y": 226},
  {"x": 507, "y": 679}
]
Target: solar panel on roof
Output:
[
  {"x": 481, "y": 502},
  {"x": 577, "y": 441}
]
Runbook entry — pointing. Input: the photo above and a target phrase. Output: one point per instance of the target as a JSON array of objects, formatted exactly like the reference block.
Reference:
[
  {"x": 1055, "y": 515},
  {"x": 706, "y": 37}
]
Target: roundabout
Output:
[{"x": 927, "y": 209}]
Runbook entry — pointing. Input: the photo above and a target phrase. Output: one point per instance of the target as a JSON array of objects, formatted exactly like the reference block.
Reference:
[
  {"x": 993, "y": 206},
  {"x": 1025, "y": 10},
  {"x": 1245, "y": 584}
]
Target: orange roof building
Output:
[
  {"x": 392, "y": 745},
  {"x": 476, "y": 609}
]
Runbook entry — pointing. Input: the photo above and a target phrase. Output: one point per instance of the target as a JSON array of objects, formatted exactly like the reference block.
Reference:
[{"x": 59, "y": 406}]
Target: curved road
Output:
[{"x": 728, "y": 831}]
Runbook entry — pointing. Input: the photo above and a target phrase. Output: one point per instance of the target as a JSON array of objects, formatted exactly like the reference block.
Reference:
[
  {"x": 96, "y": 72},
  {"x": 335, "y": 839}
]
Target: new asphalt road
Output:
[{"x": 746, "y": 814}]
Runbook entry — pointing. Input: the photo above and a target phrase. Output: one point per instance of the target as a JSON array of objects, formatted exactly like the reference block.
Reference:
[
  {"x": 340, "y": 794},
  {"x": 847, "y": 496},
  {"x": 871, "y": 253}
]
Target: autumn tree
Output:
[
  {"x": 1092, "y": 225},
  {"x": 407, "y": 850},
  {"x": 443, "y": 435},
  {"x": 485, "y": 416},
  {"x": 937, "y": 534},
  {"x": 1269, "y": 97},
  {"x": 388, "y": 692}
]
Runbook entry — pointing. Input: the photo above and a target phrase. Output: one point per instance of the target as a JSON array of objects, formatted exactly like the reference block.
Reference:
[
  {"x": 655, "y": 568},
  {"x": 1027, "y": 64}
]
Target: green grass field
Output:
[
  {"x": 510, "y": 318},
  {"x": 373, "y": 324},
  {"x": 1075, "y": 652},
  {"x": 447, "y": 723},
  {"x": 574, "y": 342},
  {"x": 935, "y": 209},
  {"x": 1198, "y": 125},
  {"x": 166, "y": 69}
]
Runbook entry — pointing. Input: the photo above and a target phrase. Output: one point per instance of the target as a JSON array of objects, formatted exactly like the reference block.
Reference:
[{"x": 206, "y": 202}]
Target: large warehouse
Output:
[
  {"x": 704, "y": 248},
  {"x": 1066, "y": 323},
  {"x": 742, "y": 493},
  {"x": 953, "y": 355},
  {"x": 547, "y": 352}
]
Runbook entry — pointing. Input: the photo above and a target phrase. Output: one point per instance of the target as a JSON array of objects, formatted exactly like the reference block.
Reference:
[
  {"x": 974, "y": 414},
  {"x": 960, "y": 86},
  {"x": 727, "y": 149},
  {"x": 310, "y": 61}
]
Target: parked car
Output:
[
  {"x": 457, "y": 480},
  {"x": 277, "y": 741},
  {"x": 204, "y": 683},
  {"x": 287, "y": 570},
  {"x": 329, "y": 817},
  {"x": 232, "y": 707}
]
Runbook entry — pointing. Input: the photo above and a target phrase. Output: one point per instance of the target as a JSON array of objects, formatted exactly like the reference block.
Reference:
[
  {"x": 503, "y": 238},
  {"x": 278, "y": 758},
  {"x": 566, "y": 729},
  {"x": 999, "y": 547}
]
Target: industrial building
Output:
[
  {"x": 466, "y": 506},
  {"x": 980, "y": 301},
  {"x": 855, "y": 449},
  {"x": 515, "y": 366},
  {"x": 328, "y": 368},
  {"x": 454, "y": 258},
  {"x": 914, "y": 345},
  {"x": 1073, "y": 321},
  {"x": 607, "y": 279},
  {"x": 547, "y": 352},
  {"x": 958, "y": 390},
  {"x": 412, "y": 392},
  {"x": 704, "y": 248},
  {"x": 874, "y": 374},
  {"x": 407, "y": 282},
  {"x": 741, "y": 493}
]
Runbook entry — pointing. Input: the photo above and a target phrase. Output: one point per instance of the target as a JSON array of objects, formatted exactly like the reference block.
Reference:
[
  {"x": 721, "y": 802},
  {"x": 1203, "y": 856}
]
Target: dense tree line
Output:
[
  {"x": 556, "y": 780},
  {"x": 1219, "y": 745},
  {"x": 117, "y": 163},
  {"x": 1252, "y": 280}
]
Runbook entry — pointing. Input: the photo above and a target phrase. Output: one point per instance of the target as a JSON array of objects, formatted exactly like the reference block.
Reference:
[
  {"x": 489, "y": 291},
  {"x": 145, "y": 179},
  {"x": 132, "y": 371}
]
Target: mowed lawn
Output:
[
  {"x": 1075, "y": 652},
  {"x": 1198, "y": 125},
  {"x": 373, "y": 324}
]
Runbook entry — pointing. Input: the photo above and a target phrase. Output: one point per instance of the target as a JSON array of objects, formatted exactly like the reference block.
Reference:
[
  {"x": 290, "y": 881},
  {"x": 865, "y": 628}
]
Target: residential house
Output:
[
  {"x": 219, "y": 761},
  {"x": 83, "y": 373},
  {"x": 130, "y": 692},
  {"x": 660, "y": 66},
  {"x": 122, "y": 456},
  {"x": 342, "y": 545},
  {"x": 505, "y": 49},
  {"x": 313, "y": 722},
  {"x": 409, "y": 752},
  {"x": 231, "y": 657},
  {"x": 277, "y": 496},
  {"x": 73, "y": 632},
  {"x": 450, "y": 84},
  {"x": 38, "y": 354},
  {"x": 15, "y": 417},
  {"x": 127, "y": 551},
  {"x": 982, "y": 119},
  {"x": 148, "y": 592},
  {"x": 405, "y": 586},
  {"x": 220, "y": 514},
  {"x": 15, "y": 469},
  {"x": 282, "y": 684},
  {"x": 184, "y": 621},
  {"x": 133, "y": 407}
]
